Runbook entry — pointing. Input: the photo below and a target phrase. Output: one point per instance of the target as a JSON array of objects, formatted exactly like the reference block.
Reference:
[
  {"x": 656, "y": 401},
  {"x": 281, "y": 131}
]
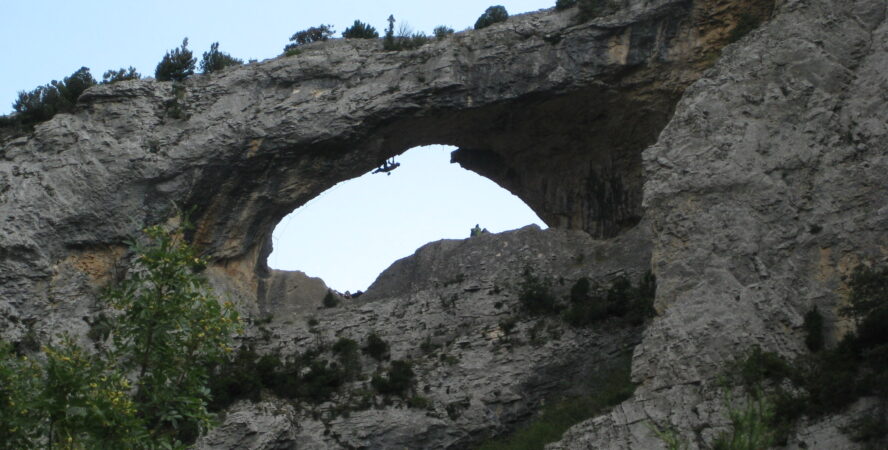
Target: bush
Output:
[
  {"x": 113, "y": 76},
  {"x": 633, "y": 305},
  {"x": 536, "y": 296},
  {"x": 590, "y": 9},
  {"x": 360, "y": 30},
  {"x": 376, "y": 347},
  {"x": 441, "y": 32},
  {"x": 168, "y": 332},
  {"x": 214, "y": 60},
  {"x": 177, "y": 65},
  {"x": 331, "y": 300},
  {"x": 307, "y": 36},
  {"x": 564, "y": 4},
  {"x": 492, "y": 15},
  {"x": 46, "y": 101},
  {"x": 813, "y": 327},
  {"x": 397, "y": 381}
]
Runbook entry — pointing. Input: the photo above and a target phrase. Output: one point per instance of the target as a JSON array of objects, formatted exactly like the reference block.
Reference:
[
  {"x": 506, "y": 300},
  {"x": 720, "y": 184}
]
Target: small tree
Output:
[
  {"x": 492, "y": 15},
  {"x": 388, "y": 42},
  {"x": 177, "y": 65},
  {"x": 330, "y": 300},
  {"x": 307, "y": 36},
  {"x": 170, "y": 332},
  {"x": 360, "y": 30},
  {"x": 442, "y": 31},
  {"x": 58, "y": 96},
  {"x": 73, "y": 86},
  {"x": 113, "y": 76},
  {"x": 214, "y": 60},
  {"x": 565, "y": 4}
]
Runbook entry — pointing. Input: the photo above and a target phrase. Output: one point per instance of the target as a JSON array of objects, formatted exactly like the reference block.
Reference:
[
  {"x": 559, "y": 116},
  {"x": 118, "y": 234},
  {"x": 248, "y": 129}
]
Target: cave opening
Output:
[{"x": 353, "y": 231}]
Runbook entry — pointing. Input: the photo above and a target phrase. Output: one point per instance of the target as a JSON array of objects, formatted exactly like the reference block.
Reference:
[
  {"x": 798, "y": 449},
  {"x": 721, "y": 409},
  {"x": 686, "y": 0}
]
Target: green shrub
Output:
[
  {"x": 168, "y": 332},
  {"x": 388, "y": 42},
  {"x": 307, "y": 36},
  {"x": 813, "y": 327},
  {"x": 590, "y": 9},
  {"x": 752, "y": 425},
  {"x": 535, "y": 295},
  {"x": 492, "y": 15},
  {"x": 564, "y": 4},
  {"x": 113, "y": 76},
  {"x": 360, "y": 30},
  {"x": 331, "y": 300},
  {"x": 441, "y": 31},
  {"x": 633, "y": 305},
  {"x": 214, "y": 60},
  {"x": 177, "y": 65},
  {"x": 46, "y": 101},
  {"x": 347, "y": 352},
  {"x": 376, "y": 347},
  {"x": 397, "y": 380}
]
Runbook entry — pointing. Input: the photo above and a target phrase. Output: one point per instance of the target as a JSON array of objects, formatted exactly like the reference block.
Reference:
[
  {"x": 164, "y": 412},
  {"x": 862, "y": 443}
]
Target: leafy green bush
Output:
[
  {"x": 168, "y": 331},
  {"x": 633, "y": 305},
  {"x": 177, "y": 65},
  {"x": 536, "y": 296},
  {"x": 331, "y": 300},
  {"x": 441, "y": 31},
  {"x": 397, "y": 380},
  {"x": 113, "y": 76},
  {"x": 564, "y": 4},
  {"x": 831, "y": 379},
  {"x": 492, "y": 15},
  {"x": 376, "y": 347},
  {"x": 752, "y": 425},
  {"x": 214, "y": 60},
  {"x": 307, "y": 36},
  {"x": 360, "y": 30},
  {"x": 46, "y": 101}
]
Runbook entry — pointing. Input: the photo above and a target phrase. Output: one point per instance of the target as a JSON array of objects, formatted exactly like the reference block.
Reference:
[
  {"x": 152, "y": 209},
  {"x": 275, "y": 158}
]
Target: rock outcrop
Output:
[
  {"x": 482, "y": 363},
  {"x": 765, "y": 189},
  {"x": 758, "y": 190}
]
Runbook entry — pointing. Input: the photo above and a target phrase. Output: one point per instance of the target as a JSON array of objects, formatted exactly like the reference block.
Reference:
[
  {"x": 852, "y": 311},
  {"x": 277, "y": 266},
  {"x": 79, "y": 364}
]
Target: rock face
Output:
[
  {"x": 482, "y": 364},
  {"x": 757, "y": 190},
  {"x": 766, "y": 187}
]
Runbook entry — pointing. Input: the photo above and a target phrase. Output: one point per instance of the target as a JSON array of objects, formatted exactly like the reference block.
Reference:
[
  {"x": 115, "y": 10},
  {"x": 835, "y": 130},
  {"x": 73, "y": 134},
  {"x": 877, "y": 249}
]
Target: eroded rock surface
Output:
[
  {"x": 482, "y": 363},
  {"x": 766, "y": 188}
]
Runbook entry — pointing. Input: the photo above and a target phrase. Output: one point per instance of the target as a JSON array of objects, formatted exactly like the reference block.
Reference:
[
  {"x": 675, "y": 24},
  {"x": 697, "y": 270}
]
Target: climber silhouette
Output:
[{"x": 387, "y": 167}]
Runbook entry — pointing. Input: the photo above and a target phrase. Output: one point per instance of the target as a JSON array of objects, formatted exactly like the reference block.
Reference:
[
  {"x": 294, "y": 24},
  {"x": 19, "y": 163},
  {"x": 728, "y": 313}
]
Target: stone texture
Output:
[
  {"x": 766, "y": 187},
  {"x": 453, "y": 297}
]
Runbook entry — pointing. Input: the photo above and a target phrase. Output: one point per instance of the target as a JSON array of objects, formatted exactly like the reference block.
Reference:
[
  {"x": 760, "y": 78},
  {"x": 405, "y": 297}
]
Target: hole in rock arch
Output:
[{"x": 353, "y": 231}]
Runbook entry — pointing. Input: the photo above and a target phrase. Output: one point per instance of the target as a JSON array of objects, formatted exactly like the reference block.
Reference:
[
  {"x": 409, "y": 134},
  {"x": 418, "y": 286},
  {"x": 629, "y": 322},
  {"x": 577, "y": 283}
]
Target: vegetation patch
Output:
[
  {"x": 829, "y": 380},
  {"x": 559, "y": 415},
  {"x": 148, "y": 386}
]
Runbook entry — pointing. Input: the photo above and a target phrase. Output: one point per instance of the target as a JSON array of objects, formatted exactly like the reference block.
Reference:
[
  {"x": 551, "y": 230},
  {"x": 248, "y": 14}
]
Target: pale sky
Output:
[{"x": 43, "y": 40}]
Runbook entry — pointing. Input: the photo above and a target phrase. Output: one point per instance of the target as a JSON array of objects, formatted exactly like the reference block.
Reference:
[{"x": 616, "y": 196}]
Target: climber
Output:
[{"x": 387, "y": 167}]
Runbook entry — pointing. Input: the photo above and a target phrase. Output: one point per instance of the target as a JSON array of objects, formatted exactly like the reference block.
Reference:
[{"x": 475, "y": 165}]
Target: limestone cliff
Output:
[{"x": 758, "y": 187}]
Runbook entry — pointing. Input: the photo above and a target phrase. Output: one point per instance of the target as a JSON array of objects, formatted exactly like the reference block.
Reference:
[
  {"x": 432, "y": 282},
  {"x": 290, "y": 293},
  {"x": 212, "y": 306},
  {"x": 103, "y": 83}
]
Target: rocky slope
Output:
[
  {"x": 764, "y": 190},
  {"x": 757, "y": 191},
  {"x": 482, "y": 363}
]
